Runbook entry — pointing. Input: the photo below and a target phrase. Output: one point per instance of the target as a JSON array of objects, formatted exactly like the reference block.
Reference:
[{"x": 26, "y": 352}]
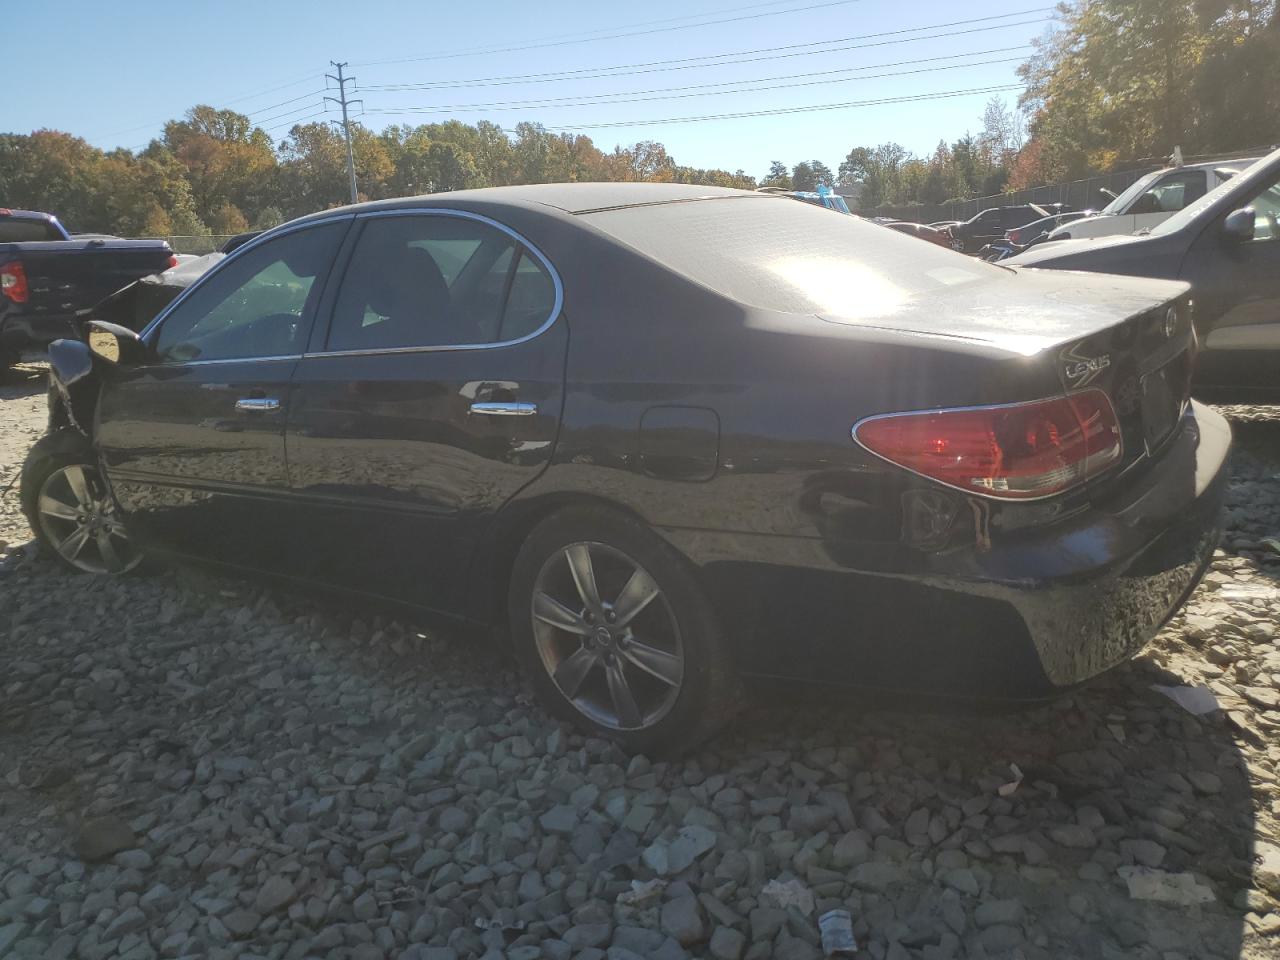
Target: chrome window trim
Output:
[
  {"x": 445, "y": 347},
  {"x": 264, "y": 237}
]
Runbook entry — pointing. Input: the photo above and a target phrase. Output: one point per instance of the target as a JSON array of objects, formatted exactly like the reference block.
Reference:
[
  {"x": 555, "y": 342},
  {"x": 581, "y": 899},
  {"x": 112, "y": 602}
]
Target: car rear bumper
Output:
[
  {"x": 975, "y": 623},
  {"x": 22, "y": 332}
]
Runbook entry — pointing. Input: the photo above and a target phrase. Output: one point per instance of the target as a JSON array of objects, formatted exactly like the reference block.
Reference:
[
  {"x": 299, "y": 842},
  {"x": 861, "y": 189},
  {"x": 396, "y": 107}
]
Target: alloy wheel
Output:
[
  {"x": 79, "y": 518},
  {"x": 619, "y": 661}
]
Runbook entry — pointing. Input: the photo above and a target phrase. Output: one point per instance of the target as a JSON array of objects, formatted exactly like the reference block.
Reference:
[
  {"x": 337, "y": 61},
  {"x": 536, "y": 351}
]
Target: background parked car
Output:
[
  {"x": 1227, "y": 246},
  {"x": 733, "y": 462},
  {"x": 923, "y": 231},
  {"x": 1153, "y": 199},
  {"x": 46, "y": 278},
  {"x": 992, "y": 224}
]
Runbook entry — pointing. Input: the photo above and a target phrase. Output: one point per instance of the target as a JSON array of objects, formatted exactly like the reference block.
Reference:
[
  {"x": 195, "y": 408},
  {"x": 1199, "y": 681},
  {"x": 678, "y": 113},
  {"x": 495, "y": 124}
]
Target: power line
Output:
[
  {"x": 294, "y": 123},
  {"x": 813, "y": 108},
  {"x": 305, "y": 96},
  {"x": 613, "y": 36},
  {"x": 672, "y": 93},
  {"x": 588, "y": 35},
  {"x": 225, "y": 103},
  {"x": 745, "y": 56}
]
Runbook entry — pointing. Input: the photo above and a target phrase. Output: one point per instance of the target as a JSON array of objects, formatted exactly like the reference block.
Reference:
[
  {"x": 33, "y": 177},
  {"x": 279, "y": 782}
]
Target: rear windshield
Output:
[
  {"x": 21, "y": 231},
  {"x": 774, "y": 253}
]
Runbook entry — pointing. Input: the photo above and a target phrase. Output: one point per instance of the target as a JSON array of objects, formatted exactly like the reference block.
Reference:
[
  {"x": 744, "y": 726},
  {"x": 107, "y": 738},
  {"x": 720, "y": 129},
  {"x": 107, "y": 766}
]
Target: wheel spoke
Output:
[
  {"x": 584, "y": 575},
  {"x": 573, "y": 670},
  {"x": 624, "y": 703},
  {"x": 639, "y": 592},
  {"x": 658, "y": 663},
  {"x": 74, "y": 543},
  {"x": 53, "y": 507},
  {"x": 107, "y": 550},
  {"x": 79, "y": 485},
  {"x": 550, "y": 610}
]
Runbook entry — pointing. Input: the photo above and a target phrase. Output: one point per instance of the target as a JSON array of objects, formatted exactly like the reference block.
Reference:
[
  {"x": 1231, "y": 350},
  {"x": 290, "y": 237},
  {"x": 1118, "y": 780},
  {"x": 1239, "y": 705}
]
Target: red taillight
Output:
[
  {"x": 13, "y": 282},
  {"x": 173, "y": 260},
  {"x": 1016, "y": 452},
  {"x": 1015, "y": 236}
]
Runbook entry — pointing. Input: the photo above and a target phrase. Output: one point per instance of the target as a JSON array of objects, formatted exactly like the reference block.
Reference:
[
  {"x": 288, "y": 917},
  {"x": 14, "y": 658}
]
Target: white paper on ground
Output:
[{"x": 1198, "y": 699}]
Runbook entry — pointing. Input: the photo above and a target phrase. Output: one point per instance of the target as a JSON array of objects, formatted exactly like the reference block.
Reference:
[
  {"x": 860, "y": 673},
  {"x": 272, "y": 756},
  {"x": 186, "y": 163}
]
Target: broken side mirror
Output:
[
  {"x": 114, "y": 343},
  {"x": 1239, "y": 224}
]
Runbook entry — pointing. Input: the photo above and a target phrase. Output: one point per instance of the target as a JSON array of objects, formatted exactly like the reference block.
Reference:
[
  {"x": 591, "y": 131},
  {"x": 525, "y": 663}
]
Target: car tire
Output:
[
  {"x": 640, "y": 628},
  {"x": 70, "y": 509}
]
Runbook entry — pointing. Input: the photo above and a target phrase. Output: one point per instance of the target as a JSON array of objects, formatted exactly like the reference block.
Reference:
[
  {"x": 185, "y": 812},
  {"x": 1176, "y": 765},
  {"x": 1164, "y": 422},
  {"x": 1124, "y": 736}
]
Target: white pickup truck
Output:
[{"x": 1153, "y": 198}]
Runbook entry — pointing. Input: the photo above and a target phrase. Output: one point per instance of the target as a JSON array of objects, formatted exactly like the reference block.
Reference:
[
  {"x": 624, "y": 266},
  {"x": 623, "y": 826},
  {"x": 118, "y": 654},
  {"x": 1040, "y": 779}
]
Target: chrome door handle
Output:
[
  {"x": 490, "y": 409},
  {"x": 258, "y": 404}
]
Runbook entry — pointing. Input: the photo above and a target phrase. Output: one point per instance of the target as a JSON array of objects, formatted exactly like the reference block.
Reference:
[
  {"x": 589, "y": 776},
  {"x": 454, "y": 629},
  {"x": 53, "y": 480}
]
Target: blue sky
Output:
[{"x": 114, "y": 72}]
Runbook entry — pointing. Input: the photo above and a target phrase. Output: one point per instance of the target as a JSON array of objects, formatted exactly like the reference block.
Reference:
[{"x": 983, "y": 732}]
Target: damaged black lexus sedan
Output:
[{"x": 668, "y": 437}]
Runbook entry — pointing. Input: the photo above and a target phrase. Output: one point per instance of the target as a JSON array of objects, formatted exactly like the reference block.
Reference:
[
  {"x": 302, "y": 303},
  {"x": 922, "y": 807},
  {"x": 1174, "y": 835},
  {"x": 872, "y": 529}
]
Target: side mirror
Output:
[
  {"x": 1239, "y": 224},
  {"x": 114, "y": 343}
]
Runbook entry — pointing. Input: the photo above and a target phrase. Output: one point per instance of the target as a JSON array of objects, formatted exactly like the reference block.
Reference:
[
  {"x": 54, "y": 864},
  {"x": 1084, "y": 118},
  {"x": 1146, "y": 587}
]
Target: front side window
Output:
[
  {"x": 437, "y": 280},
  {"x": 1171, "y": 194},
  {"x": 260, "y": 304}
]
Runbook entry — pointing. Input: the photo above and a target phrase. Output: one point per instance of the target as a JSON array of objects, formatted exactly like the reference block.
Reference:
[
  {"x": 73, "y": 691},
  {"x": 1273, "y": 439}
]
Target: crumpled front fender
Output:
[{"x": 73, "y": 382}]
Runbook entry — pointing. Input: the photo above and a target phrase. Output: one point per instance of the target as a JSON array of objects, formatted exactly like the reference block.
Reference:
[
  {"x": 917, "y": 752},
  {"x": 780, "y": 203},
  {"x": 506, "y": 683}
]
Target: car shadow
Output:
[
  {"x": 1155, "y": 786},
  {"x": 23, "y": 380}
]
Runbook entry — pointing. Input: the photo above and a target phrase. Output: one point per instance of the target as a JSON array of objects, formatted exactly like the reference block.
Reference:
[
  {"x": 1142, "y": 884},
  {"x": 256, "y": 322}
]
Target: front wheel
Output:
[
  {"x": 615, "y": 634},
  {"x": 71, "y": 510}
]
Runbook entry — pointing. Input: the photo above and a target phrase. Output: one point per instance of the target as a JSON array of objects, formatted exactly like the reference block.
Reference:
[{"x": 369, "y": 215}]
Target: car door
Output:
[
  {"x": 1237, "y": 295},
  {"x": 193, "y": 440},
  {"x": 431, "y": 396}
]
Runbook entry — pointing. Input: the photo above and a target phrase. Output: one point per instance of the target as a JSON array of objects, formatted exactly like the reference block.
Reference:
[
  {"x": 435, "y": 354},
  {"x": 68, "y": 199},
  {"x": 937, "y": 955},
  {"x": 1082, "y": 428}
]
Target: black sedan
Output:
[
  {"x": 669, "y": 437},
  {"x": 1227, "y": 246}
]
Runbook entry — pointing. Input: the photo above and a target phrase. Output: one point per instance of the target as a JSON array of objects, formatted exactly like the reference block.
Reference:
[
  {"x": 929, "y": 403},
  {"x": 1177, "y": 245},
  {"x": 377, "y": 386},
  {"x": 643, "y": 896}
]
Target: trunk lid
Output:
[{"x": 1130, "y": 337}]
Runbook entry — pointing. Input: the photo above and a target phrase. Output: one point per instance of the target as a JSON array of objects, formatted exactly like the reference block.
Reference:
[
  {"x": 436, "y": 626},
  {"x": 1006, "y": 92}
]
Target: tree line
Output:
[
  {"x": 215, "y": 172},
  {"x": 1115, "y": 84}
]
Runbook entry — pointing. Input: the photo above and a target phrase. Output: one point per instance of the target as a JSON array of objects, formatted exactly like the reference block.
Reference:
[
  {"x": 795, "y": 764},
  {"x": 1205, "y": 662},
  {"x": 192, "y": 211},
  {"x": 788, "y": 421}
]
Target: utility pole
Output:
[{"x": 343, "y": 102}]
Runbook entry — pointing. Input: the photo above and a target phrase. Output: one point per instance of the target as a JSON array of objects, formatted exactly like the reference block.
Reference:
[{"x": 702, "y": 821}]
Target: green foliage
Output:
[
  {"x": 213, "y": 170},
  {"x": 1122, "y": 81}
]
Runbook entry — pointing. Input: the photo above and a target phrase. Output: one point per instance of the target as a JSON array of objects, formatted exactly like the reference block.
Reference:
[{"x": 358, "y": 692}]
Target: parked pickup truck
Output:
[{"x": 47, "y": 276}]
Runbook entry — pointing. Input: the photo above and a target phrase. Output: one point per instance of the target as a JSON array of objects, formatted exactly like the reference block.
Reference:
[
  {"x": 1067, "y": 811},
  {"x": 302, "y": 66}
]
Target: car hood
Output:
[
  {"x": 1022, "y": 311},
  {"x": 1042, "y": 253}
]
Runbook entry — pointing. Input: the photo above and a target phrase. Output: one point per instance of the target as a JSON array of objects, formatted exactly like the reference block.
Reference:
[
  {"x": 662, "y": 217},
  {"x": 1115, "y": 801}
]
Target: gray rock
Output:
[
  {"x": 560, "y": 819},
  {"x": 241, "y": 923},
  {"x": 877, "y": 876},
  {"x": 667, "y": 858},
  {"x": 727, "y": 944},
  {"x": 991, "y": 912},
  {"x": 129, "y": 921},
  {"x": 851, "y": 849},
  {"x": 275, "y": 894},
  {"x": 453, "y": 820},
  {"x": 1148, "y": 853},
  {"x": 682, "y": 920},
  {"x": 588, "y": 935},
  {"x": 765, "y": 923},
  {"x": 98, "y": 839},
  {"x": 1074, "y": 836}
]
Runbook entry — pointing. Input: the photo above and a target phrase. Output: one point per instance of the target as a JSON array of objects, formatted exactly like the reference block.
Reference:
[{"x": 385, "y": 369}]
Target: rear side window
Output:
[
  {"x": 780, "y": 255},
  {"x": 436, "y": 280},
  {"x": 23, "y": 231}
]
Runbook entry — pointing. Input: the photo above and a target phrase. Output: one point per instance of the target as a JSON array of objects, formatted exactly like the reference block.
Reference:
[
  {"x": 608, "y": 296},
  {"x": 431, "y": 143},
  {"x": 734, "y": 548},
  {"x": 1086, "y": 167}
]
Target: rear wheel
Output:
[
  {"x": 71, "y": 510},
  {"x": 615, "y": 634}
]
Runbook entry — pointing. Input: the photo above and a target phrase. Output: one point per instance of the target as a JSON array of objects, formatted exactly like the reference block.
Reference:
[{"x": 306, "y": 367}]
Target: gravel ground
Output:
[{"x": 196, "y": 767}]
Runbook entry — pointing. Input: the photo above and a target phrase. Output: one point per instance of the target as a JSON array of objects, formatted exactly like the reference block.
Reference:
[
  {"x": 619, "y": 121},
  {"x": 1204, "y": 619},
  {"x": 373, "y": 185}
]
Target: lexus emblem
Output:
[{"x": 1080, "y": 370}]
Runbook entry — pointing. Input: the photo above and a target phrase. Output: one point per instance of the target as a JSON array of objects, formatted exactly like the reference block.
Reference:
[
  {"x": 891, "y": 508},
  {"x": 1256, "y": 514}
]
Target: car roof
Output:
[
  {"x": 572, "y": 198},
  {"x": 26, "y": 214}
]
